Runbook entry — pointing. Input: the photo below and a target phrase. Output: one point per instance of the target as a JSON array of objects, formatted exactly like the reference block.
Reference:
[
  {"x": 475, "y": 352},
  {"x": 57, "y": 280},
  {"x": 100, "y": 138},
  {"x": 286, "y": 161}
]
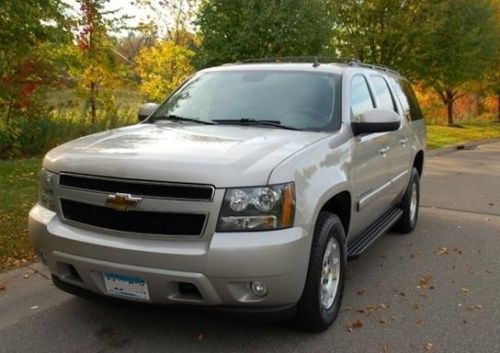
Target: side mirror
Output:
[
  {"x": 146, "y": 110},
  {"x": 376, "y": 120}
]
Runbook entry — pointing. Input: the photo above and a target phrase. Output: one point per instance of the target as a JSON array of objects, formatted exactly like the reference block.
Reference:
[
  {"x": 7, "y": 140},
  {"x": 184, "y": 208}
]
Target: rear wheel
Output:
[
  {"x": 320, "y": 302},
  {"x": 410, "y": 205}
]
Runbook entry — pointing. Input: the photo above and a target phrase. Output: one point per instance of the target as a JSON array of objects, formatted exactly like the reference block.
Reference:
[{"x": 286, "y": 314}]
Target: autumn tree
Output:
[
  {"x": 457, "y": 50},
  {"x": 31, "y": 33},
  {"x": 233, "y": 30},
  {"x": 162, "y": 68},
  {"x": 95, "y": 65},
  {"x": 493, "y": 72}
]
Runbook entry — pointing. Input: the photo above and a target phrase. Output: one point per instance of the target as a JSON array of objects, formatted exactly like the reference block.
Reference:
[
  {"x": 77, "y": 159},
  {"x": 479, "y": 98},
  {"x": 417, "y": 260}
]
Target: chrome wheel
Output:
[
  {"x": 413, "y": 203},
  {"x": 330, "y": 274}
]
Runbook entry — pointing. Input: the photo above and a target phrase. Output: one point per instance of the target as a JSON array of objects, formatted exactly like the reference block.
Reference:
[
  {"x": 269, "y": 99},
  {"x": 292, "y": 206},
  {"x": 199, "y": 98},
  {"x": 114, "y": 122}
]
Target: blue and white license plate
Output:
[{"x": 131, "y": 287}]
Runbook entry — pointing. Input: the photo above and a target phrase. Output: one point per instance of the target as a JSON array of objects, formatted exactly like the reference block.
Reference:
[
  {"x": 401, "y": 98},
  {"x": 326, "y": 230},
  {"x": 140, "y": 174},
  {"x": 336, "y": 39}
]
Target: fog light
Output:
[{"x": 258, "y": 288}]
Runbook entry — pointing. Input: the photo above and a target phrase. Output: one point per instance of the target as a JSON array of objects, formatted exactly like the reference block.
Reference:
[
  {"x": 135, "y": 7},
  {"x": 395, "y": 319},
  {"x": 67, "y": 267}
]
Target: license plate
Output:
[{"x": 131, "y": 287}]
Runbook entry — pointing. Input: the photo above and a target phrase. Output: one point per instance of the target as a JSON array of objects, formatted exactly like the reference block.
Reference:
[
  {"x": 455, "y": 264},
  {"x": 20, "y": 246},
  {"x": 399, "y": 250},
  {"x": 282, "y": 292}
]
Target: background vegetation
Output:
[
  {"x": 67, "y": 71},
  {"x": 72, "y": 67}
]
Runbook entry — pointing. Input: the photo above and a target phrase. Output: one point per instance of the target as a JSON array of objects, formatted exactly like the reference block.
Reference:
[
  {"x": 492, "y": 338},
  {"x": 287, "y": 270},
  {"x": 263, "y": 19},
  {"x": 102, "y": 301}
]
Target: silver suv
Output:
[{"x": 247, "y": 189}]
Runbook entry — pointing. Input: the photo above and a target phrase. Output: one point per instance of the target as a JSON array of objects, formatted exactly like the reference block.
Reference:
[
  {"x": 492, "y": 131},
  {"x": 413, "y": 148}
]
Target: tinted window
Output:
[
  {"x": 408, "y": 99},
  {"x": 305, "y": 100},
  {"x": 382, "y": 93},
  {"x": 361, "y": 99}
]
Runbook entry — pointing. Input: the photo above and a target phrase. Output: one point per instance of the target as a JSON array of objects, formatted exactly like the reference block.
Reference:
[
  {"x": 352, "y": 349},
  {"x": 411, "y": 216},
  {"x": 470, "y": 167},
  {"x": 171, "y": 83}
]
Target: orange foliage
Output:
[{"x": 471, "y": 107}]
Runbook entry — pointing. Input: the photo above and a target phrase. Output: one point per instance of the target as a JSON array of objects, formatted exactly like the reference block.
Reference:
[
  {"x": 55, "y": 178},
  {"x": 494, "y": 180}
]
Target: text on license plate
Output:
[{"x": 132, "y": 287}]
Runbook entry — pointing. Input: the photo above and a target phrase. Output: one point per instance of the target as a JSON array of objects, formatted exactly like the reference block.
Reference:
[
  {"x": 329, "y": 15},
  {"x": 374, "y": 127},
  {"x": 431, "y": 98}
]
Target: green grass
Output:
[
  {"x": 439, "y": 136},
  {"x": 19, "y": 191}
]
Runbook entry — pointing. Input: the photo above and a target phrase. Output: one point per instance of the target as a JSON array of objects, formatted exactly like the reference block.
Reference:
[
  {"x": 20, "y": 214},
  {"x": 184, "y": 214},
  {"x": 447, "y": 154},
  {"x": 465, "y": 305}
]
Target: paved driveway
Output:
[{"x": 435, "y": 290}]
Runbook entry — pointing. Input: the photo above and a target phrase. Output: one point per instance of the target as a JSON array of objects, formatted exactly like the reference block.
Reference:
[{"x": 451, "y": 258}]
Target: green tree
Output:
[
  {"x": 379, "y": 31},
  {"x": 457, "y": 50},
  {"x": 233, "y": 30}
]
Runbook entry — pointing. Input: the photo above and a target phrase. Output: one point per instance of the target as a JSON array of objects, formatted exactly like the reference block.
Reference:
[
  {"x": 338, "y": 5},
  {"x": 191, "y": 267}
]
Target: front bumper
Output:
[{"x": 221, "y": 267}]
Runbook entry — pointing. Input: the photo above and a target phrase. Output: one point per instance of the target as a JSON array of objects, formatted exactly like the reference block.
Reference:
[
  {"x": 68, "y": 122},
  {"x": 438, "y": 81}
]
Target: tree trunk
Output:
[
  {"x": 449, "y": 106},
  {"x": 93, "y": 113}
]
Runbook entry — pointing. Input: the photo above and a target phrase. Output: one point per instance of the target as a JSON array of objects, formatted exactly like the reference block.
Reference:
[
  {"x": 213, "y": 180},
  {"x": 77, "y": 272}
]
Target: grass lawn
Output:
[
  {"x": 19, "y": 192},
  {"x": 441, "y": 136}
]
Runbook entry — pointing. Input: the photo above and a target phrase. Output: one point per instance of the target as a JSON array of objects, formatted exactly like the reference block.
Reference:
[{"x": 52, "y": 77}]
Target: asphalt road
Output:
[{"x": 435, "y": 290}]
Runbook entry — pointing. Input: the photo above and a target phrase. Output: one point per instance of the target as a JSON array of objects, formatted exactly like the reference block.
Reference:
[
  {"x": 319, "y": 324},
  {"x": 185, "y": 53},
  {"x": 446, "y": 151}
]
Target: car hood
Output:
[{"x": 220, "y": 155}]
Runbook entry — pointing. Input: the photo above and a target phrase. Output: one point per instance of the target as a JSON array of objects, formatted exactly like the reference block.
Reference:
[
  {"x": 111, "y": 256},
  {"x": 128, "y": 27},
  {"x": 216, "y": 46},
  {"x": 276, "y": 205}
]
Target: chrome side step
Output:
[{"x": 380, "y": 227}]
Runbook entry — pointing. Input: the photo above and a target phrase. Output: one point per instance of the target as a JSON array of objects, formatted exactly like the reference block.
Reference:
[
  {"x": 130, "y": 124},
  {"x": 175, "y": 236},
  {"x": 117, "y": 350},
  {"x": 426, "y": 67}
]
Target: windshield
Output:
[{"x": 303, "y": 100}]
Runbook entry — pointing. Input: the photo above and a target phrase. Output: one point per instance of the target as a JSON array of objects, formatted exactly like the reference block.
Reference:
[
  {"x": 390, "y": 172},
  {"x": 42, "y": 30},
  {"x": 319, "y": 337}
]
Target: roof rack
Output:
[{"x": 317, "y": 61}]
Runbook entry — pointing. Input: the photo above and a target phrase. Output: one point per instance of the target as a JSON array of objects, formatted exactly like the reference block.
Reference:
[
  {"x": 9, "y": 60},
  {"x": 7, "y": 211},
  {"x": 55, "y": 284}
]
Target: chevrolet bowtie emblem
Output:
[{"x": 122, "y": 202}]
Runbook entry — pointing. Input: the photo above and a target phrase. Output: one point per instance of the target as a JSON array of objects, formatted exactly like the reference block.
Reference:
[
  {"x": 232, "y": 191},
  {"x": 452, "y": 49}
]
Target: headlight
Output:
[
  {"x": 46, "y": 195},
  {"x": 258, "y": 208}
]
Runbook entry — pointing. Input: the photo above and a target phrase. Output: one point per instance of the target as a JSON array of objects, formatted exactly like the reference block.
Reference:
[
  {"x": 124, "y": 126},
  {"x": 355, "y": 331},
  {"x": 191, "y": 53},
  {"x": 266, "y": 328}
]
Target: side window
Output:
[
  {"x": 408, "y": 99},
  {"x": 383, "y": 93},
  {"x": 361, "y": 99}
]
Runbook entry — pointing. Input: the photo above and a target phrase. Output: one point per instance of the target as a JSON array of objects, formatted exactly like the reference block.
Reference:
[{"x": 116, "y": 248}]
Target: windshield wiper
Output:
[
  {"x": 181, "y": 118},
  {"x": 243, "y": 121}
]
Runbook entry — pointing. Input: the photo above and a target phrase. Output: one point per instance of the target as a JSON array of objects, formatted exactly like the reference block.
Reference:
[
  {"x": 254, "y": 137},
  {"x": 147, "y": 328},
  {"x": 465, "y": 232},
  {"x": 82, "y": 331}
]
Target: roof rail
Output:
[
  {"x": 317, "y": 61},
  {"x": 372, "y": 66}
]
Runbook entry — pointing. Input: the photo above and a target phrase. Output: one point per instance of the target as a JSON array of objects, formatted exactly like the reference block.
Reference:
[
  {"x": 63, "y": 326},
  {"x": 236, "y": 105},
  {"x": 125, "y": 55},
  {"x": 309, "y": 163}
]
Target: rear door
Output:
[
  {"x": 399, "y": 154},
  {"x": 370, "y": 165}
]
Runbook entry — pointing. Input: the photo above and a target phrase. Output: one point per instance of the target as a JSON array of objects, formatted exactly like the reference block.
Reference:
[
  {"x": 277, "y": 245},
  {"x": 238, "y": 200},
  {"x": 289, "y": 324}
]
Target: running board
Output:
[{"x": 380, "y": 227}]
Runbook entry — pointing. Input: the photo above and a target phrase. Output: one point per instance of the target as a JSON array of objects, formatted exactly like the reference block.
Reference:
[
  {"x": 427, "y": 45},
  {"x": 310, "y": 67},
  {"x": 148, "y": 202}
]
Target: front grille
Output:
[
  {"x": 133, "y": 221},
  {"x": 138, "y": 187}
]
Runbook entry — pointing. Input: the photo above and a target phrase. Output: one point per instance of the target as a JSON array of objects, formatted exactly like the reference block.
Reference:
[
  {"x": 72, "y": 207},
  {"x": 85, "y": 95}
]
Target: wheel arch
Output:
[
  {"x": 418, "y": 162},
  {"x": 341, "y": 205}
]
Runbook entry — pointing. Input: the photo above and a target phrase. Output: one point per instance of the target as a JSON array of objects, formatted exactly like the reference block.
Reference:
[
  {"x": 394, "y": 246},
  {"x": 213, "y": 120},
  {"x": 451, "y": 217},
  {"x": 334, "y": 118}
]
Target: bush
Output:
[{"x": 25, "y": 136}]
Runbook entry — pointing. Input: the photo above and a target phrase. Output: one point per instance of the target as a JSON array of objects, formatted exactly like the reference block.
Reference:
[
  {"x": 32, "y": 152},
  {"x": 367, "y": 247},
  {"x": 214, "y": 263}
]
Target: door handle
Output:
[
  {"x": 384, "y": 149},
  {"x": 403, "y": 141}
]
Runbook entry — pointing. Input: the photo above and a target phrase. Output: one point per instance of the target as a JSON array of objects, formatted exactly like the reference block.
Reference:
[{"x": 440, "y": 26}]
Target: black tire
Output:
[
  {"x": 310, "y": 315},
  {"x": 407, "y": 223}
]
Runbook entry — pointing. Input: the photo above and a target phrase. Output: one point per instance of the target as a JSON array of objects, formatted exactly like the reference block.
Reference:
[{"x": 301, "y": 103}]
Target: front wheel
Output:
[{"x": 320, "y": 302}]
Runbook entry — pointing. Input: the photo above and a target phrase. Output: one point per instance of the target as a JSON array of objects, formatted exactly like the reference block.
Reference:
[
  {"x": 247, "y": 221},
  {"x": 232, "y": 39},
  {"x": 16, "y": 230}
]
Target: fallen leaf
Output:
[
  {"x": 382, "y": 320},
  {"x": 385, "y": 349},
  {"x": 2, "y": 286},
  {"x": 428, "y": 347},
  {"x": 443, "y": 251},
  {"x": 354, "y": 325},
  {"x": 357, "y": 324},
  {"x": 419, "y": 321},
  {"x": 465, "y": 290},
  {"x": 425, "y": 282},
  {"x": 201, "y": 335},
  {"x": 360, "y": 291},
  {"x": 361, "y": 311},
  {"x": 34, "y": 307}
]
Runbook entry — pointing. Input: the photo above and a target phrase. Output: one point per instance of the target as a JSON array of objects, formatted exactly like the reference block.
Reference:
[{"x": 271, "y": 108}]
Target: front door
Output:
[{"x": 370, "y": 163}]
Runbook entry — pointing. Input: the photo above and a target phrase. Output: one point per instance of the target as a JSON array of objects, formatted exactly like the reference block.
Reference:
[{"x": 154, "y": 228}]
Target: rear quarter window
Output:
[{"x": 407, "y": 98}]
